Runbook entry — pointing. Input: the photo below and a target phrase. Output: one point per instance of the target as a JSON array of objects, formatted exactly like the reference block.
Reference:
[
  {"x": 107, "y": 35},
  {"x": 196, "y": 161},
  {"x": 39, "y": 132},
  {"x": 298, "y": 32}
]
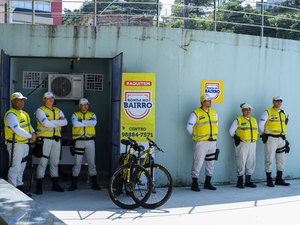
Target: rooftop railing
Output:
[{"x": 276, "y": 19}]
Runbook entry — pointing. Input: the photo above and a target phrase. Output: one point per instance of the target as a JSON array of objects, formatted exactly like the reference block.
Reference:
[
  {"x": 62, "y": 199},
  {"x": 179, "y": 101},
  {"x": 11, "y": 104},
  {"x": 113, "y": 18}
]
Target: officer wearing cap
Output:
[
  {"x": 83, "y": 133},
  {"x": 244, "y": 130},
  {"x": 50, "y": 119},
  {"x": 273, "y": 126},
  {"x": 18, "y": 133},
  {"x": 203, "y": 127}
]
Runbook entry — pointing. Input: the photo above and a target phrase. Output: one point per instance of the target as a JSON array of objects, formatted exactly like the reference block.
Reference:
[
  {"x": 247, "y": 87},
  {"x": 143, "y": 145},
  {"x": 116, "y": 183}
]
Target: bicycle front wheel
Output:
[
  {"x": 130, "y": 186},
  {"x": 162, "y": 186}
]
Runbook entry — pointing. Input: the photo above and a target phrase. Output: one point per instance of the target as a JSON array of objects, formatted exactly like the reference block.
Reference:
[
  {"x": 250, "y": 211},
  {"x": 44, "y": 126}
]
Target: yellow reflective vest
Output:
[
  {"x": 43, "y": 131},
  {"x": 275, "y": 124},
  {"x": 247, "y": 130},
  {"x": 206, "y": 126},
  {"x": 83, "y": 132},
  {"x": 24, "y": 122}
]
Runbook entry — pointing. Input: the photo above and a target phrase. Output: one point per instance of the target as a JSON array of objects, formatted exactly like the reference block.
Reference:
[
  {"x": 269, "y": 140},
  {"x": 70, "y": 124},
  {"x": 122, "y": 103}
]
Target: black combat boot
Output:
[
  {"x": 39, "y": 186},
  {"x": 195, "y": 186},
  {"x": 95, "y": 185},
  {"x": 249, "y": 183},
  {"x": 20, "y": 187},
  {"x": 269, "y": 180},
  {"x": 240, "y": 182},
  {"x": 56, "y": 186},
  {"x": 74, "y": 184},
  {"x": 279, "y": 180},
  {"x": 208, "y": 185}
]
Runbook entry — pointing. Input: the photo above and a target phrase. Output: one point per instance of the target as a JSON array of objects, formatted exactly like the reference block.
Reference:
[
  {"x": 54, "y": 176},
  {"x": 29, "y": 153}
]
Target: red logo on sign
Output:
[{"x": 138, "y": 83}]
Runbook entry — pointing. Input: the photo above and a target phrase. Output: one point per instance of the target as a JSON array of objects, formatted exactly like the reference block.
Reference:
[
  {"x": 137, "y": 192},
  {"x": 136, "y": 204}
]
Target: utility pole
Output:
[
  {"x": 95, "y": 13},
  {"x": 186, "y": 21},
  {"x": 9, "y": 12},
  {"x": 262, "y": 18},
  {"x": 157, "y": 13},
  {"x": 215, "y": 16},
  {"x": 33, "y": 13}
]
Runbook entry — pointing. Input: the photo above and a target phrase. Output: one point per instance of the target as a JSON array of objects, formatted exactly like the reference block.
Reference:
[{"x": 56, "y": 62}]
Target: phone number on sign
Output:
[{"x": 137, "y": 134}]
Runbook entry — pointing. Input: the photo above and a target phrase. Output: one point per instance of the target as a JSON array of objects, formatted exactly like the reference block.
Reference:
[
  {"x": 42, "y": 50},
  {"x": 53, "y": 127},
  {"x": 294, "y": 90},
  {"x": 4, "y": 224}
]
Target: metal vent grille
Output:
[
  {"x": 93, "y": 82},
  {"x": 32, "y": 79}
]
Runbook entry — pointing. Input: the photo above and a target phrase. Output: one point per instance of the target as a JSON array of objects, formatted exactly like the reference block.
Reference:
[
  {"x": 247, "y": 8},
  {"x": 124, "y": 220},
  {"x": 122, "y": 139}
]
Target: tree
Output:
[
  {"x": 132, "y": 7},
  {"x": 235, "y": 18}
]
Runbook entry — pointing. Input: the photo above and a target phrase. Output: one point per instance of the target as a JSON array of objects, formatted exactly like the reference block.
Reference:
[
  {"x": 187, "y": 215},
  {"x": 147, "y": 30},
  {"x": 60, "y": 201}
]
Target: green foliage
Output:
[
  {"x": 70, "y": 16},
  {"x": 87, "y": 7},
  {"x": 176, "y": 24},
  {"x": 177, "y": 10},
  {"x": 232, "y": 16},
  {"x": 235, "y": 18}
]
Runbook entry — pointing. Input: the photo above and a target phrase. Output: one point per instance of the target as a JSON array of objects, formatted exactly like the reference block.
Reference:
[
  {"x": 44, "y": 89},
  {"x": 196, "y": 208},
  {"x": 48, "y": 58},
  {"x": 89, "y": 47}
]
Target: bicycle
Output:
[
  {"x": 131, "y": 184},
  {"x": 161, "y": 178}
]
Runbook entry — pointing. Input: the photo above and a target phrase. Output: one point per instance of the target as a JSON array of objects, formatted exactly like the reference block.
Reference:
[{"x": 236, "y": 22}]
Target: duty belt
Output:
[
  {"x": 10, "y": 141},
  {"x": 276, "y": 136},
  {"x": 85, "y": 139},
  {"x": 56, "y": 138},
  {"x": 211, "y": 139}
]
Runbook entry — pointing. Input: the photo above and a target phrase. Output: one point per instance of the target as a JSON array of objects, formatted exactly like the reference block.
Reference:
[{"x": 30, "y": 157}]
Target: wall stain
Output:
[
  {"x": 51, "y": 38},
  {"x": 75, "y": 40},
  {"x": 186, "y": 39},
  {"x": 144, "y": 34}
]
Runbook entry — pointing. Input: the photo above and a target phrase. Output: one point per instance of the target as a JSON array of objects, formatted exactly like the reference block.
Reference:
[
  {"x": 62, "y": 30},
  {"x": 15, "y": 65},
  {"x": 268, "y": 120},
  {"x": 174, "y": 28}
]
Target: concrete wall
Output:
[{"x": 253, "y": 70}]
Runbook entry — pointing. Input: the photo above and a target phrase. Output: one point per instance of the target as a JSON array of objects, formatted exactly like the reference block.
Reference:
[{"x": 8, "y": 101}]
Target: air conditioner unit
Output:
[{"x": 66, "y": 86}]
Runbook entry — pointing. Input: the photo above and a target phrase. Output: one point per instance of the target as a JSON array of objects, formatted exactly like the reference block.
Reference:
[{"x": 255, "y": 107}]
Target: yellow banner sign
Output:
[
  {"x": 138, "y": 106},
  {"x": 214, "y": 88}
]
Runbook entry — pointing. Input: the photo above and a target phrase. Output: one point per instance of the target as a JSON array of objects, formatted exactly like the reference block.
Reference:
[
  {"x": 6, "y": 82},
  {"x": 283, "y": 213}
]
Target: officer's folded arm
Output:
[{"x": 33, "y": 138}]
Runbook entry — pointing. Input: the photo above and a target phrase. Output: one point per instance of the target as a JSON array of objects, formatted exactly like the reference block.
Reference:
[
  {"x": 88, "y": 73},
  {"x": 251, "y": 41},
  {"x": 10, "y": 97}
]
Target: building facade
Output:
[{"x": 45, "y": 12}]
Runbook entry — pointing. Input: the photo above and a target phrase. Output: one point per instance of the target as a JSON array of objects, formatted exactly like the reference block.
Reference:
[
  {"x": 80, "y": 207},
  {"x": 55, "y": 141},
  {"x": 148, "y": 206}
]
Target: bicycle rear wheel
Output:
[
  {"x": 130, "y": 194},
  {"x": 162, "y": 186}
]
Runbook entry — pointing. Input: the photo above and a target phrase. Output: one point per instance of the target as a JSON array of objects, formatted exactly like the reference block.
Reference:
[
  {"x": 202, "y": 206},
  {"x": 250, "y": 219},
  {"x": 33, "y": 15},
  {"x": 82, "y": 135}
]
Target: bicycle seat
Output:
[{"x": 125, "y": 142}]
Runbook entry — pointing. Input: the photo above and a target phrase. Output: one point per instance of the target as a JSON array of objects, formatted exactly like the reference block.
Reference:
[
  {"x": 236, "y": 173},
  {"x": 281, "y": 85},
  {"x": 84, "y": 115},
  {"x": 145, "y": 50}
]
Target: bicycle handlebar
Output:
[
  {"x": 133, "y": 141},
  {"x": 152, "y": 143},
  {"x": 135, "y": 145}
]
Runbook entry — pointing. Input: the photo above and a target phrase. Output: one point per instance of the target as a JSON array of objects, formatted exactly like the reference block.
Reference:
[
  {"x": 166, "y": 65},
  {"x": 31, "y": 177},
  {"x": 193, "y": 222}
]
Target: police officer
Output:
[
  {"x": 244, "y": 130},
  {"x": 83, "y": 132},
  {"x": 273, "y": 125},
  {"x": 18, "y": 134},
  {"x": 203, "y": 126},
  {"x": 50, "y": 119}
]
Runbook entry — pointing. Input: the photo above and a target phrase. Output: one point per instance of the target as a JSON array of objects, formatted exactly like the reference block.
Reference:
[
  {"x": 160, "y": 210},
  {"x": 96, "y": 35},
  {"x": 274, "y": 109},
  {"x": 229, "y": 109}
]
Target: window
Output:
[{"x": 39, "y": 5}]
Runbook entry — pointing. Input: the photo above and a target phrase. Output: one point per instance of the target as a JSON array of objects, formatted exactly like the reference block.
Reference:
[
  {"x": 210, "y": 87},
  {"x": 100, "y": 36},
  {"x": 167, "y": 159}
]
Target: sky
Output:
[
  {"x": 75, "y": 4},
  {"x": 72, "y": 4}
]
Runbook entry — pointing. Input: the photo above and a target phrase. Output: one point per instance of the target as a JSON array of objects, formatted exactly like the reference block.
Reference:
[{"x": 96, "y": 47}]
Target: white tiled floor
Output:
[{"x": 227, "y": 206}]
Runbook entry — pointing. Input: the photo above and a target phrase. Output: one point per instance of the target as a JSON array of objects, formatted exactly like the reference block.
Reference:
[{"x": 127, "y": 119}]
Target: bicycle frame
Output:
[{"x": 129, "y": 158}]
